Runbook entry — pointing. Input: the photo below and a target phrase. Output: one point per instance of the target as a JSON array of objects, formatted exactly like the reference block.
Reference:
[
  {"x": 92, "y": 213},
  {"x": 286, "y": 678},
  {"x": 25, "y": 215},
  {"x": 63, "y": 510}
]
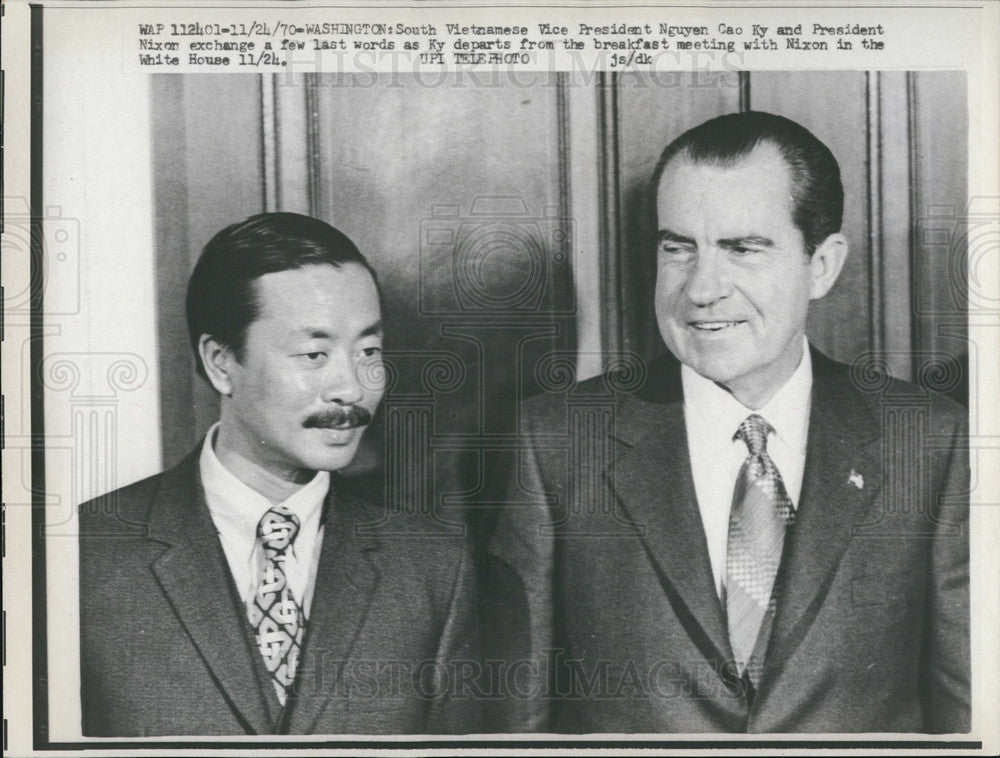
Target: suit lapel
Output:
[
  {"x": 651, "y": 476},
  {"x": 346, "y": 579},
  {"x": 843, "y": 443},
  {"x": 195, "y": 577}
]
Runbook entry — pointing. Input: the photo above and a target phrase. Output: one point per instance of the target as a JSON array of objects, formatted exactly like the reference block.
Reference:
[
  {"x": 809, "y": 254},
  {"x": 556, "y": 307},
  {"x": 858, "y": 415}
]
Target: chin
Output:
[
  {"x": 330, "y": 459},
  {"x": 721, "y": 371}
]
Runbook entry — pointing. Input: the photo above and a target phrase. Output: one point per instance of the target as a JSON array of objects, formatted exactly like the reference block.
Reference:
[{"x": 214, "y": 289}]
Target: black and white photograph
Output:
[{"x": 452, "y": 378}]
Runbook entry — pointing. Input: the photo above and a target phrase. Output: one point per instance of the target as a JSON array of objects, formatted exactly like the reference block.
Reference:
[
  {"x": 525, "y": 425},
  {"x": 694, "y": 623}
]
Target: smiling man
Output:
[
  {"x": 249, "y": 590},
  {"x": 750, "y": 541}
]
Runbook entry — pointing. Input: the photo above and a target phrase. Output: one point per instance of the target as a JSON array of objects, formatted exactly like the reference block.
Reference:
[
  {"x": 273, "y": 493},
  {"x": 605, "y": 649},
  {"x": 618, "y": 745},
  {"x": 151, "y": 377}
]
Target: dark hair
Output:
[
  {"x": 817, "y": 193},
  {"x": 222, "y": 296}
]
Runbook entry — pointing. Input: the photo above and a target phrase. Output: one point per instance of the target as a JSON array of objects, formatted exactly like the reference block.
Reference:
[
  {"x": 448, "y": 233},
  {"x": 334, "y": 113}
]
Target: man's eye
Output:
[
  {"x": 370, "y": 352},
  {"x": 672, "y": 250},
  {"x": 317, "y": 356},
  {"x": 743, "y": 250}
]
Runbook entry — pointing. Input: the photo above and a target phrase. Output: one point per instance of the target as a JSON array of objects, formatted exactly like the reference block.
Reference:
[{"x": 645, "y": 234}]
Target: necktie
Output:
[
  {"x": 277, "y": 619},
  {"x": 760, "y": 513}
]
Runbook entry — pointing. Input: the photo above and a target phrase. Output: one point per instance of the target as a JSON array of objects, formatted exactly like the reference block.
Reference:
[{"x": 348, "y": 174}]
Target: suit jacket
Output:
[
  {"x": 167, "y": 649},
  {"x": 600, "y": 543}
]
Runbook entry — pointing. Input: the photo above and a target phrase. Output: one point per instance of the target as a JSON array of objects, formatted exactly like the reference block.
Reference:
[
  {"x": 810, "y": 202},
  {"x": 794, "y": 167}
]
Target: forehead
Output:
[
  {"x": 318, "y": 296},
  {"x": 756, "y": 189}
]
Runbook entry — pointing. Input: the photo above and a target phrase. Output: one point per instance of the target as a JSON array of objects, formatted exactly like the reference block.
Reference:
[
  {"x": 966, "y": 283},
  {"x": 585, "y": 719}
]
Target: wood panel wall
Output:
[
  {"x": 901, "y": 141},
  {"x": 207, "y": 168},
  {"x": 516, "y": 176}
]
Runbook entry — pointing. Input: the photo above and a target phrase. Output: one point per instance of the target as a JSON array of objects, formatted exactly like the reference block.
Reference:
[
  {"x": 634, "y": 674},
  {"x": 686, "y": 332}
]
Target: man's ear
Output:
[
  {"x": 218, "y": 360},
  {"x": 825, "y": 265}
]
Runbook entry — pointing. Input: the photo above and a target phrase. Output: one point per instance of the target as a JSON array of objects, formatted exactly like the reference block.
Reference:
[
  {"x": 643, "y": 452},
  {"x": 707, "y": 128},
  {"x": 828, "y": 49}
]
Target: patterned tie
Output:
[
  {"x": 757, "y": 522},
  {"x": 277, "y": 619}
]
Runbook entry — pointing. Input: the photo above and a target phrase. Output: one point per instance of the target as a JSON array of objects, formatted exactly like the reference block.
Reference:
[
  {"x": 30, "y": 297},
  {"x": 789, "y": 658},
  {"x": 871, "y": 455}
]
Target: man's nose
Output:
[
  {"x": 708, "y": 279},
  {"x": 342, "y": 384}
]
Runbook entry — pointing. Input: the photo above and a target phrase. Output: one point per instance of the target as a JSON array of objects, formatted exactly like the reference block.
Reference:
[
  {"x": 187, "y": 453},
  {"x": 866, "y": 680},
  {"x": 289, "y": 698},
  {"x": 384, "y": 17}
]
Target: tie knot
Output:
[
  {"x": 277, "y": 529},
  {"x": 753, "y": 431}
]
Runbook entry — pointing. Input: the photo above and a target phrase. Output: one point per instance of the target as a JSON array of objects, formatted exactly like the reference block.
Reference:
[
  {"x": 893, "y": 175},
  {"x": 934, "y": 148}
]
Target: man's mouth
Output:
[
  {"x": 340, "y": 417},
  {"x": 713, "y": 326}
]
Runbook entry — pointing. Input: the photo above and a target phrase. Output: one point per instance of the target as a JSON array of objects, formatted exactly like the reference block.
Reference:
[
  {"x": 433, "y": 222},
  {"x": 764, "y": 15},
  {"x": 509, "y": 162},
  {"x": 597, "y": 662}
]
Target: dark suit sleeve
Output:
[
  {"x": 946, "y": 673},
  {"x": 519, "y": 616},
  {"x": 460, "y": 710}
]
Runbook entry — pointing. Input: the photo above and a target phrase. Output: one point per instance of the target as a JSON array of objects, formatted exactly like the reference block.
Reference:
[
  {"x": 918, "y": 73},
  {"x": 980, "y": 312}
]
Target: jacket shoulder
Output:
[
  {"x": 389, "y": 520},
  {"x": 655, "y": 382},
  {"x": 120, "y": 510},
  {"x": 881, "y": 392},
  {"x": 126, "y": 511}
]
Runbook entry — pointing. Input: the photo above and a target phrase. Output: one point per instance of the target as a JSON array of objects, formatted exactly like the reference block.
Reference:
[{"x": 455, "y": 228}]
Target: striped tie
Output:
[{"x": 757, "y": 522}]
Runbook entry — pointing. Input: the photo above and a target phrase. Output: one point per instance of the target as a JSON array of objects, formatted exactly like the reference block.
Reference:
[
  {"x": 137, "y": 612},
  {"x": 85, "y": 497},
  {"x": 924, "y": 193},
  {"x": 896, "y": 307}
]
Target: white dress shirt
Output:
[
  {"x": 711, "y": 417},
  {"x": 236, "y": 510}
]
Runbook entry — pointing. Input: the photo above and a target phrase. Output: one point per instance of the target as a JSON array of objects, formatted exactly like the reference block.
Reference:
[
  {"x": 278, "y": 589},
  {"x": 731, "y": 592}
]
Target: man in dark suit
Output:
[
  {"x": 250, "y": 590},
  {"x": 745, "y": 536}
]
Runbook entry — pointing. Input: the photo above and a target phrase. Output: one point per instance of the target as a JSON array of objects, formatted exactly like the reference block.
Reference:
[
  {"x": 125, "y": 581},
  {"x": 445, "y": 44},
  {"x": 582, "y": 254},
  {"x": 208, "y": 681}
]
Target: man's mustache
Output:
[{"x": 339, "y": 417}]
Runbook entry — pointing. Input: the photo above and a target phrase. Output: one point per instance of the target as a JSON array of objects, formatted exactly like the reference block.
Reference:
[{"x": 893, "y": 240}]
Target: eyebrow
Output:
[
  {"x": 751, "y": 240},
  {"x": 375, "y": 330},
  {"x": 665, "y": 235},
  {"x": 316, "y": 333}
]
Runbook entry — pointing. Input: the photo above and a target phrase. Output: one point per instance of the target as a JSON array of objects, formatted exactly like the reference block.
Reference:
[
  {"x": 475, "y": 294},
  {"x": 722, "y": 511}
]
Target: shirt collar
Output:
[
  {"x": 236, "y": 508},
  {"x": 787, "y": 411}
]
